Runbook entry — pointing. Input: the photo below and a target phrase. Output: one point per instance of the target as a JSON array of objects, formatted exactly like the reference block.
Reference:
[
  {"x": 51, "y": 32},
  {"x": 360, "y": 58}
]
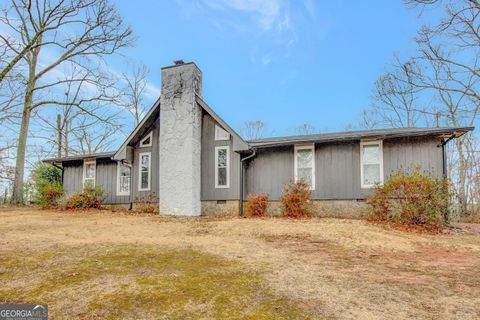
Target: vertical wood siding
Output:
[
  {"x": 337, "y": 167},
  {"x": 269, "y": 171},
  {"x": 105, "y": 177},
  {"x": 153, "y": 193},
  {"x": 209, "y": 192},
  {"x": 72, "y": 176}
]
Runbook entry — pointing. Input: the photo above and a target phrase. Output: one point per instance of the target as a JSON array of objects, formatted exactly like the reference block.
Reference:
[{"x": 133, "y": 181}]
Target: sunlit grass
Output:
[{"x": 139, "y": 282}]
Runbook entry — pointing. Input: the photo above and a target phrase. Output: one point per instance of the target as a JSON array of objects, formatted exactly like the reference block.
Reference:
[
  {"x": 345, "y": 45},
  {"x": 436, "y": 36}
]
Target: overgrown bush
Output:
[
  {"x": 49, "y": 195},
  {"x": 411, "y": 198},
  {"x": 296, "y": 200},
  {"x": 256, "y": 204},
  {"x": 47, "y": 185},
  {"x": 90, "y": 198}
]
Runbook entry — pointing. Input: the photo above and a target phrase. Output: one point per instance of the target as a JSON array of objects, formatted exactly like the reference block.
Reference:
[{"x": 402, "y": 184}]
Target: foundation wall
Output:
[
  {"x": 221, "y": 208},
  {"x": 321, "y": 208},
  {"x": 327, "y": 208}
]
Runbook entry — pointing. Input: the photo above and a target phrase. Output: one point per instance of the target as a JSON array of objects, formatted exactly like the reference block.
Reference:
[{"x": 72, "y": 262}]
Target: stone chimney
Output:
[{"x": 180, "y": 140}]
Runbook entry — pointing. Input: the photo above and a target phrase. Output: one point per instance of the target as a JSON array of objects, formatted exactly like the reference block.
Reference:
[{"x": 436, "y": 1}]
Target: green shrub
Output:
[
  {"x": 47, "y": 185},
  {"x": 90, "y": 198},
  {"x": 416, "y": 198},
  {"x": 48, "y": 196},
  {"x": 256, "y": 204},
  {"x": 296, "y": 200}
]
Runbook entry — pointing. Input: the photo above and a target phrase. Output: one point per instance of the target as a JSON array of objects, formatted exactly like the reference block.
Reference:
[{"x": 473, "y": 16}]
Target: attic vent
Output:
[
  {"x": 178, "y": 62},
  {"x": 147, "y": 141},
  {"x": 221, "y": 134}
]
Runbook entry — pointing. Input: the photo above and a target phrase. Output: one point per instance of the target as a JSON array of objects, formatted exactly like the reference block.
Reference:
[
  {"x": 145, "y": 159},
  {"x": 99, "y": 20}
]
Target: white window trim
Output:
[
  {"x": 219, "y": 138},
  {"x": 305, "y": 147},
  {"x": 140, "y": 170},
  {"x": 380, "y": 151},
  {"x": 119, "y": 193},
  {"x": 216, "y": 167},
  {"x": 150, "y": 135},
  {"x": 85, "y": 163}
]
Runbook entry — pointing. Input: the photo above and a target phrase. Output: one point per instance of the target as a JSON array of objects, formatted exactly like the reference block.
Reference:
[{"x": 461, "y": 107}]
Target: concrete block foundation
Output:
[{"x": 221, "y": 208}]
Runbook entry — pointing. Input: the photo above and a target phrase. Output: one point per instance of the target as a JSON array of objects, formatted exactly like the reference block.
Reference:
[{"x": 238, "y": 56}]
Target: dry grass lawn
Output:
[{"x": 104, "y": 265}]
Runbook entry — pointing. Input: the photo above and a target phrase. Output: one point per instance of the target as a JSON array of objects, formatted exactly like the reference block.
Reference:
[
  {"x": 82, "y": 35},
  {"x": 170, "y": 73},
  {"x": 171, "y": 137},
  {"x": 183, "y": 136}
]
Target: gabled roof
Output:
[
  {"x": 359, "y": 135},
  {"x": 138, "y": 131},
  {"x": 238, "y": 144}
]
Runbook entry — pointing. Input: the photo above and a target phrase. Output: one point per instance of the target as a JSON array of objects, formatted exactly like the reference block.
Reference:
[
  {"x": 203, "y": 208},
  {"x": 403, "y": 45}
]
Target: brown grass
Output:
[{"x": 328, "y": 268}]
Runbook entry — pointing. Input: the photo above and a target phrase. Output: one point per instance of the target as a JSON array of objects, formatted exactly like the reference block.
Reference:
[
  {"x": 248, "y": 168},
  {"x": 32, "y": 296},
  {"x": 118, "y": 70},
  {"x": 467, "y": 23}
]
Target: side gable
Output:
[
  {"x": 140, "y": 130},
  {"x": 238, "y": 143}
]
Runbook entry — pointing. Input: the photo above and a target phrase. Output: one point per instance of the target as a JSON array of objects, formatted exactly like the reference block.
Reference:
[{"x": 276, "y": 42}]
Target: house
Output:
[{"x": 190, "y": 161}]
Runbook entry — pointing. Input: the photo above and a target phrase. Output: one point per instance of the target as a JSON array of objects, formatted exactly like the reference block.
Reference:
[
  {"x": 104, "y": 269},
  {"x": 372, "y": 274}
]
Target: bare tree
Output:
[
  {"x": 10, "y": 92},
  {"x": 92, "y": 141},
  {"x": 369, "y": 119},
  {"x": 73, "y": 125},
  {"x": 99, "y": 31},
  {"x": 252, "y": 130},
  {"x": 395, "y": 98},
  {"x": 444, "y": 78},
  {"x": 134, "y": 91},
  {"x": 305, "y": 128}
]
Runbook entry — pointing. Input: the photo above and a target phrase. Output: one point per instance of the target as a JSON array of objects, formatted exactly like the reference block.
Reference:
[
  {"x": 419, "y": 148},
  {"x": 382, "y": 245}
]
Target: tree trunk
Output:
[
  {"x": 65, "y": 144},
  {"x": 17, "y": 196},
  {"x": 59, "y": 134}
]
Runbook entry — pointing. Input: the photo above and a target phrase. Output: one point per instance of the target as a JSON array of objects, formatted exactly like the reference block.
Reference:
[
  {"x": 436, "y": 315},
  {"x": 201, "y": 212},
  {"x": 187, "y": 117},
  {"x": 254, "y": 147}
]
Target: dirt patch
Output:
[{"x": 335, "y": 268}]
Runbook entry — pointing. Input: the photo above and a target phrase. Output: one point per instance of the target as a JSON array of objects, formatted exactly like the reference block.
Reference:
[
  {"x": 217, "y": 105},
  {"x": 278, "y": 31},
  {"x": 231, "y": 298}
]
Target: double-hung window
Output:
[
  {"x": 222, "y": 167},
  {"x": 305, "y": 164},
  {"x": 371, "y": 158},
  {"x": 144, "y": 171},
  {"x": 89, "y": 170},
  {"x": 123, "y": 179}
]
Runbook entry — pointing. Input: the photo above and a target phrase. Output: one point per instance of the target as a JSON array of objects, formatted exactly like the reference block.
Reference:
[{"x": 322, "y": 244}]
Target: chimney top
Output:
[{"x": 178, "y": 62}]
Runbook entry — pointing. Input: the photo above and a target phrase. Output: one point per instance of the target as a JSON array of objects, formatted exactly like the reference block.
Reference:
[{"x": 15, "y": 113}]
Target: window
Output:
[
  {"x": 221, "y": 134},
  {"x": 222, "y": 167},
  {"x": 371, "y": 158},
  {"x": 123, "y": 179},
  {"x": 305, "y": 164},
  {"x": 89, "y": 168},
  {"x": 147, "y": 141},
  {"x": 144, "y": 171}
]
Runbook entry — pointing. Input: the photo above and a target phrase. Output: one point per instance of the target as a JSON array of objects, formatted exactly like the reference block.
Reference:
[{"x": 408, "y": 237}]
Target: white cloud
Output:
[
  {"x": 269, "y": 15},
  {"x": 268, "y": 11},
  {"x": 151, "y": 91}
]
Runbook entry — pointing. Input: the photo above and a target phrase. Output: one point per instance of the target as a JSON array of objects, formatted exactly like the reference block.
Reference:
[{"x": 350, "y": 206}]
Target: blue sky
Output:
[{"x": 283, "y": 62}]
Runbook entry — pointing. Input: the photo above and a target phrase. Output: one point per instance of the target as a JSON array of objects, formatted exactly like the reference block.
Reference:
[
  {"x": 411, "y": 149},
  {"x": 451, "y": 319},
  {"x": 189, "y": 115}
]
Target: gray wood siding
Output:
[
  {"x": 105, "y": 177},
  {"x": 269, "y": 171},
  {"x": 209, "y": 192},
  {"x": 402, "y": 154},
  {"x": 337, "y": 167},
  {"x": 72, "y": 176},
  {"x": 154, "y": 164},
  {"x": 337, "y": 171}
]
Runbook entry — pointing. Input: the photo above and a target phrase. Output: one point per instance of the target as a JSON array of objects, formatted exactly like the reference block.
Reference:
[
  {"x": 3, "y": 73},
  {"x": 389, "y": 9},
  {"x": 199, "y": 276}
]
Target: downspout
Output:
[
  {"x": 444, "y": 162},
  {"x": 444, "y": 153},
  {"x": 242, "y": 174},
  {"x": 444, "y": 159}
]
